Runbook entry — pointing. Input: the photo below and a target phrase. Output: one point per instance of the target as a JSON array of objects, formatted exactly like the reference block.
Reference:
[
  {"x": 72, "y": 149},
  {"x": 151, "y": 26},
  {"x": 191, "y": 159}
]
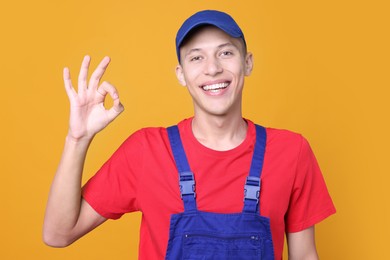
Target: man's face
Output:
[{"x": 213, "y": 67}]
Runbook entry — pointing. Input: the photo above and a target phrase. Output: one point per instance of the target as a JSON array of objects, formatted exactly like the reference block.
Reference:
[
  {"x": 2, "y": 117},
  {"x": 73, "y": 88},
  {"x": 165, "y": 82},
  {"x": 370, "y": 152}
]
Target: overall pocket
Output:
[{"x": 205, "y": 245}]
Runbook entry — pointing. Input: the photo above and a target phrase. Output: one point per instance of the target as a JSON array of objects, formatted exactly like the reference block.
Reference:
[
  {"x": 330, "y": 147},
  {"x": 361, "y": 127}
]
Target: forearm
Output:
[
  {"x": 64, "y": 202},
  {"x": 68, "y": 216},
  {"x": 309, "y": 256}
]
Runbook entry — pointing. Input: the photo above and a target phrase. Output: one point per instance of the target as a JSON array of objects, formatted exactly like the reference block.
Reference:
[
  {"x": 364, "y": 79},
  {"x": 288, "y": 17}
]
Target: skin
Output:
[
  {"x": 209, "y": 57},
  {"x": 301, "y": 245},
  {"x": 68, "y": 217},
  {"x": 212, "y": 56}
]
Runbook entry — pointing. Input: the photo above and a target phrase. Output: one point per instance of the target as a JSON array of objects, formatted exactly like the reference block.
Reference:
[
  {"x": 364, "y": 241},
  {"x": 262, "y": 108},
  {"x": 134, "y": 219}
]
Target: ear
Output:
[
  {"x": 180, "y": 75},
  {"x": 248, "y": 64}
]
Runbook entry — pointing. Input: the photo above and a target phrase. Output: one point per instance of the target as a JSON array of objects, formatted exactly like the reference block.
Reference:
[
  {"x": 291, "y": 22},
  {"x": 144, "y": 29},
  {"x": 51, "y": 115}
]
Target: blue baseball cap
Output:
[{"x": 208, "y": 17}]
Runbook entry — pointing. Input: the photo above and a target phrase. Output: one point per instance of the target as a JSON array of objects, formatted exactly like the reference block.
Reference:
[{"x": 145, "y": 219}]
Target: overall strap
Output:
[
  {"x": 253, "y": 182},
  {"x": 186, "y": 177}
]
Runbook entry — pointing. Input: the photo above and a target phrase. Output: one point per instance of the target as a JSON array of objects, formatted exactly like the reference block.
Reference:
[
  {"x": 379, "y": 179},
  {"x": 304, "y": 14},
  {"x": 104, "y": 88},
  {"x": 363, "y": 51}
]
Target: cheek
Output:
[
  {"x": 235, "y": 66},
  {"x": 237, "y": 70},
  {"x": 191, "y": 74}
]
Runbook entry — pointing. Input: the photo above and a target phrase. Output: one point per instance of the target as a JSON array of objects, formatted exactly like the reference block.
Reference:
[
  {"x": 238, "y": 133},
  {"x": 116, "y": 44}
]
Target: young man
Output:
[{"x": 218, "y": 142}]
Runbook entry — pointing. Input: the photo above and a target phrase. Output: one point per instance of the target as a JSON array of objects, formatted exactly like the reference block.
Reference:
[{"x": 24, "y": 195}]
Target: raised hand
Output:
[{"x": 88, "y": 115}]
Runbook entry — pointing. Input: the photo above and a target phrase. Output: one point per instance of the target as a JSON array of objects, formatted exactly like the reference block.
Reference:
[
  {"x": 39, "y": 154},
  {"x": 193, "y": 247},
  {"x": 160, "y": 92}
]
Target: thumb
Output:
[
  {"x": 117, "y": 106},
  {"x": 116, "y": 109}
]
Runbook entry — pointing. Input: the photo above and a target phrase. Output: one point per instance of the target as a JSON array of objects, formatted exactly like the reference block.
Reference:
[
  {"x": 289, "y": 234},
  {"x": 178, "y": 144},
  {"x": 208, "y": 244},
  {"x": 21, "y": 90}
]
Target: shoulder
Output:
[
  {"x": 283, "y": 134},
  {"x": 159, "y": 131},
  {"x": 153, "y": 136},
  {"x": 146, "y": 136},
  {"x": 282, "y": 143},
  {"x": 276, "y": 134},
  {"x": 285, "y": 139},
  {"x": 290, "y": 146}
]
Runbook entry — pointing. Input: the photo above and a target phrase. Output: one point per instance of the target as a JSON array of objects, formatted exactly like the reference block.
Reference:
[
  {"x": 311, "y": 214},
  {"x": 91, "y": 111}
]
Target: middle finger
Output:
[{"x": 98, "y": 73}]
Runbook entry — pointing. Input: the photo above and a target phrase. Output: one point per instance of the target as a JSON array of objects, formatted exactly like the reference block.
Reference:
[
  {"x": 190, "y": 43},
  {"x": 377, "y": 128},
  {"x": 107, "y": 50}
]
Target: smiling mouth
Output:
[{"x": 215, "y": 87}]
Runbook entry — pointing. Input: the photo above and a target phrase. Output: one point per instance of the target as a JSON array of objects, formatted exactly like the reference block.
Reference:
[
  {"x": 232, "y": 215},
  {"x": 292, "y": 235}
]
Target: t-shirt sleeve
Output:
[
  {"x": 112, "y": 191},
  {"x": 310, "y": 201}
]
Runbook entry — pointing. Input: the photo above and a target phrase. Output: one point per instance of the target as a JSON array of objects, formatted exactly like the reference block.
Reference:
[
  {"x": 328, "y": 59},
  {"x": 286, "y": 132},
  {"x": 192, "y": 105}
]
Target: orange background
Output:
[{"x": 321, "y": 69}]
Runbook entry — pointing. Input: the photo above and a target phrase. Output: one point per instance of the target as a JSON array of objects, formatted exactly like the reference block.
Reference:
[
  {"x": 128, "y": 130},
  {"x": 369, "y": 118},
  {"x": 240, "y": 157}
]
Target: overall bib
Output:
[{"x": 195, "y": 234}]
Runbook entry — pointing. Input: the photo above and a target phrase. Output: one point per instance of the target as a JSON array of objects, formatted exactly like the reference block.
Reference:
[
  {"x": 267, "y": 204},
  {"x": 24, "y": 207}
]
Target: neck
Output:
[{"x": 219, "y": 133}]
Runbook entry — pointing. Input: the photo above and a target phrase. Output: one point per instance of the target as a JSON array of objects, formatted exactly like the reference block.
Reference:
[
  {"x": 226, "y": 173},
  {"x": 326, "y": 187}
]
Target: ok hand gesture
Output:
[{"x": 88, "y": 115}]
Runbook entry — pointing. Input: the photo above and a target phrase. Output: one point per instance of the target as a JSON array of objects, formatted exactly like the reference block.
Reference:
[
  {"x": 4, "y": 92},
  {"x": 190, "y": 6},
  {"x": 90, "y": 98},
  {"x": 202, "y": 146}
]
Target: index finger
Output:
[
  {"x": 70, "y": 91},
  {"x": 98, "y": 73}
]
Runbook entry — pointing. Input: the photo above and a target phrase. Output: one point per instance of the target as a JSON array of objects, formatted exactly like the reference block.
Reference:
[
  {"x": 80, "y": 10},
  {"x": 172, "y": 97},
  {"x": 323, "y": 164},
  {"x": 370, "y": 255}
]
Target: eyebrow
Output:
[{"x": 228, "y": 44}]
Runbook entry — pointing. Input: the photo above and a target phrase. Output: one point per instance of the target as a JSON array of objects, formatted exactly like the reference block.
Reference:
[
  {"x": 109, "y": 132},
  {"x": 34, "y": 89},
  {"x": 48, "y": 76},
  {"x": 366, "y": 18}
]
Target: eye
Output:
[
  {"x": 226, "y": 53},
  {"x": 196, "y": 58}
]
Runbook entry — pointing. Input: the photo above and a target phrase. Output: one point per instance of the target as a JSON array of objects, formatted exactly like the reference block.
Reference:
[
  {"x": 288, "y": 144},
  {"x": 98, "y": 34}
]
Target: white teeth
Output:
[{"x": 215, "y": 86}]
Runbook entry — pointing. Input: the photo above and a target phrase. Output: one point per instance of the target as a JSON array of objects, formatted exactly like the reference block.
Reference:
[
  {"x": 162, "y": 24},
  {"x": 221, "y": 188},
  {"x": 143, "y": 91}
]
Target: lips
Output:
[{"x": 215, "y": 87}]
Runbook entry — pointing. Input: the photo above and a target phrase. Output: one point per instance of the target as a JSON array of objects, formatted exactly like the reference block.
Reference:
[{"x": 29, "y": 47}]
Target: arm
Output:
[
  {"x": 69, "y": 217},
  {"x": 301, "y": 245}
]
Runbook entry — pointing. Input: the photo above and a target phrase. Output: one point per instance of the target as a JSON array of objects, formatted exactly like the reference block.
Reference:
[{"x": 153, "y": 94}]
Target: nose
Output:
[{"x": 212, "y": 67}]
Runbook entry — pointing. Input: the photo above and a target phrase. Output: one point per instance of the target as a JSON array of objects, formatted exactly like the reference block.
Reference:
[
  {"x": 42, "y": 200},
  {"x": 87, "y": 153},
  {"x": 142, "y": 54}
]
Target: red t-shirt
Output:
[{"x": 141, "y": 176}]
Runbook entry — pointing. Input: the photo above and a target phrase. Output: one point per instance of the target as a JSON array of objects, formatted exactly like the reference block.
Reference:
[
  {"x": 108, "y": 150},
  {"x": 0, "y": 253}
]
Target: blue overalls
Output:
[{"x": 195, "y": 234}]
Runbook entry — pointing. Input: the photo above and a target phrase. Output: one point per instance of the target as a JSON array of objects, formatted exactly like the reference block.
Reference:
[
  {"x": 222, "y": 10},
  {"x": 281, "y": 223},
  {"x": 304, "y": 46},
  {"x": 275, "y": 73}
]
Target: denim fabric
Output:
[{"x": 195, "y": 234}]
